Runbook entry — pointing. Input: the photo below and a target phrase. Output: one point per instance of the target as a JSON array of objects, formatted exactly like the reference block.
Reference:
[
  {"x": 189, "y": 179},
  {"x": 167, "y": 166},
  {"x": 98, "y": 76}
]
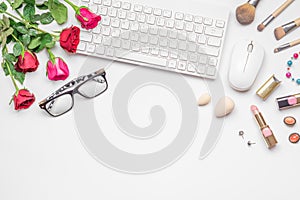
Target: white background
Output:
[{"x": 43, "y": 158}]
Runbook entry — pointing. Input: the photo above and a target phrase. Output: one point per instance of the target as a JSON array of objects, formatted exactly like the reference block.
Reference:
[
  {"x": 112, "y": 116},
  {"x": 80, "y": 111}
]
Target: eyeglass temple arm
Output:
[{"x": 71, "y": 84}]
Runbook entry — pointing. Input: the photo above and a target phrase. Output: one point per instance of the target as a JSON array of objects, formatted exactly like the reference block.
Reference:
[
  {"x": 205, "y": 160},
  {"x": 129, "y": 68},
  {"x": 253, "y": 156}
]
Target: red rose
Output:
[
  {"x": 28, "y": 63},
  {"x": 69, "y": 39},
  {"x": 23, "y": 99},
  {"x": 87, "y": 19}
]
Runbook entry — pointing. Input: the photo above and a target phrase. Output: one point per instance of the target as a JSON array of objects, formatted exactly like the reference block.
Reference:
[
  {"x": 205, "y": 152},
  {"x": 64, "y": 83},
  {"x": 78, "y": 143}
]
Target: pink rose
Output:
[
  {"x": 87, "y": 19},
  {"x": 57, "y": 69}
]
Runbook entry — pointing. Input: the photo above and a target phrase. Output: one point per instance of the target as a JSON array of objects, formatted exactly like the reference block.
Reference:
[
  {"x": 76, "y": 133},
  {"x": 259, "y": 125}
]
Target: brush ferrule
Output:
[
  {"x": 289, "y": 26},
  {"x": 283, "y": 47},
  {"x": 253, "y": 2},
  {"x": 268, "y": 20}
]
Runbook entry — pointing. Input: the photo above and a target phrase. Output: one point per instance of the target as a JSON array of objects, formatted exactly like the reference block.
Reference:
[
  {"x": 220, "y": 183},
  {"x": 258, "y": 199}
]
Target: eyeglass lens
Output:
[
  {"x": 60, "y": 105},
  {"x": 93, "y": 87}
]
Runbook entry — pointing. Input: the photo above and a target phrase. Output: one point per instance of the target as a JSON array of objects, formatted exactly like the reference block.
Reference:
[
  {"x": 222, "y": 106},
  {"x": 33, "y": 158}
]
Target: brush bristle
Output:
[
  {"x": 261, "y": 27},
  {"x": 245, "y": 14},
  {"x": 279, "y": 33}
]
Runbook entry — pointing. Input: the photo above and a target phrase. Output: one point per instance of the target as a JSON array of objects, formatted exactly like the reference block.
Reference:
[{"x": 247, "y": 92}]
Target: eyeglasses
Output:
[{"x": 62, "y": 100}]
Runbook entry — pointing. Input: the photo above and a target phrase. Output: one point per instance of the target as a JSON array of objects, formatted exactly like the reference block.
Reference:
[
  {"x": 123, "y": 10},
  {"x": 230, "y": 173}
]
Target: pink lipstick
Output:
[{"x": 264, "y": 128}]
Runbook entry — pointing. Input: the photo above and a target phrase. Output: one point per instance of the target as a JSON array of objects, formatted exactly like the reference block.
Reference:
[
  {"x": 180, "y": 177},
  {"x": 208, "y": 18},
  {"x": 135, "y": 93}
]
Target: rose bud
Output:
[
  {"x": 23, "y": 99},
  {"x": 87, "y": 19},
  {"x": 69, "y": 39},
  {"x": 57, "y": 70},
  {"x": 28, "y": 63}
]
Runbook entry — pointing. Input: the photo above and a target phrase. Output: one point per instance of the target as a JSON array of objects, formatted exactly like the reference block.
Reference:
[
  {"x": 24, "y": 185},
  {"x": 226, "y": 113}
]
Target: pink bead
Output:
[
  {"x": 288, "y": 74},
  {"x": 296, "y": 55}
]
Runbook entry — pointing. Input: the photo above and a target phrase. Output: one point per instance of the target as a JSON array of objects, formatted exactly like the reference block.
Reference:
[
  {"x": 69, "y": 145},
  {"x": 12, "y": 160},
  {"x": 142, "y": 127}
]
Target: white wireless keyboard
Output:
[{"x": 184, "y": 42}]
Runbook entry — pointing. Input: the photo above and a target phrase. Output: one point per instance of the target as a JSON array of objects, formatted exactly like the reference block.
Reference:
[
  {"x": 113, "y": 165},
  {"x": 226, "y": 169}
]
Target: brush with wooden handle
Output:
[
  {"x": 274, "y": 15},
  {"x": 286, "y": 46},
  {"x": 281, "y": 31}
]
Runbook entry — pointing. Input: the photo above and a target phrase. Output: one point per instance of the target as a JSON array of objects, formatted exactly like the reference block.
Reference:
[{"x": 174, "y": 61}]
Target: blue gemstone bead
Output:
[
  {"x": 289, "y": 63},
  {"x": 298, "y": 81},
  {"x": 293, "y": 79}
]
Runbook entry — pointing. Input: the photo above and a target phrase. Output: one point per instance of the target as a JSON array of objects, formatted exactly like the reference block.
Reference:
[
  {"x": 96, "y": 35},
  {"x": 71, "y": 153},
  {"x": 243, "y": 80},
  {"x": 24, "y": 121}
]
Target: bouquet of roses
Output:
[{"x": 21, "y": 38}]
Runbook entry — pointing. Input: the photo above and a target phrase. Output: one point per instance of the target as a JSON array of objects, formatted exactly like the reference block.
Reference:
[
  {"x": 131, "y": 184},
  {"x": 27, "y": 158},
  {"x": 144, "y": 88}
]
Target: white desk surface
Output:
[{"x": 43, "y": 158}]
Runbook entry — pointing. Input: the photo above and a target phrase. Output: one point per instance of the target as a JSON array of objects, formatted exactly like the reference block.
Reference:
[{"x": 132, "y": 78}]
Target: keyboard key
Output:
[
  {"x": 201, "y": 69},
  {"x": 112, "y": 12},
  {"x": 116, "y": 4},
  {"x": 163, "y": 42},
  {"x": 163, "y": 32},
  {"x": 138, "y": 8},
  {"x": 98, "y": 2},
  {"x": 189, "y": 27},
  {"x": 213, "y": 41},
  {"x": 220, "y": 24},
  {"x": 85, "y": 36},
  {"x": 160, "y": 22},
  {"x": 110, "y": 52},
  {"x": 125, "y": 25},
  {"x": 94, "y": 8},
  {"x": 97, "y": 30},
  {"x": 202, "y": 39},
  {"x": 182, "y": 35},
  {"x": 173, "y": 44},
  {"x": 81, "y": 46},
  {"x": 167, "y": 13},
  {"x": 91, "y": 48},
  {"x": 135, "y": 46},
  {"x": 198, "y": 19},
  {"x": 105, "y": 21},
  {"x": 192, "y": 37},
  {"x": 202, "y": 59},
  {"x": 153, "y": 40},
  {"x": 192, "y": 47},
  {"x": 182, "y": 45},
  {"x": 183, "y": 55},
  {"x": 115, "y": 23},
  {"x": 106, "y": 41},
  {"x": 212, "y": 61},
  {"x": 105, "y": 31},
  {"x": 191, "y": 67},
  {"x": 134, "y": 26},
  {"x": 126, "y": 6},
  {"x": 164, "y": 53},
  {"x": 97, "y": 39},
  {"x": 147, "y": 10},
  {"x": 181, "y": 65},
  {"x": 189, "y": 18},
  {"x": 154, "y": 51},
  {"x": 211, "y": 71},
  {"x": 102, "y": 11},
  {"x": 213, "y": 31},
  {"x": 125, "y": 35},
  {"x": 116, "y": 33},
  {"x": 134, "y": 36},
  {"x": 179, "y": 25},
  {"x": 153, "y": 30},
  {"x": 141, "y": 18},
  {"x": 209, "y": 51},
  {"x": 144, "y": 38},
  {"x": 144, "y": 28},
  {"x": 86, "y": 1},
  {"x": 151, "y": 20},
  {"x": 125, "y": 44},
  {"x": 193, "y": 57},
  {"x": 107, "y": 2},
  {"x": 199, "y": 28},
  {"x": 157, "y": 12},
  {"x": 179, "y": 16},
  {"x": 100, "y": 49},
  {"x": 122, "y": 14},
  {"x": 172, "y": 64},
  {"x": 208, "y": 21},
  {"x": 138, "y": 57},
  {"x": 172, "y": 34},
  {"x": 170, "y": 23},
  {"x": 131, "y": 16}
]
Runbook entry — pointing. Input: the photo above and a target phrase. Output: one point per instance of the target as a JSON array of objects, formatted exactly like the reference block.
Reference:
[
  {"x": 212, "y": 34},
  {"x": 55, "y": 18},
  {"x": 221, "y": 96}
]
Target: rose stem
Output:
[
  {"x": 17, "y": 11},
  {"x": 52, "y": 56},
  {"x": 72, "y": 5},
  {"x": 12, "y": 78}
]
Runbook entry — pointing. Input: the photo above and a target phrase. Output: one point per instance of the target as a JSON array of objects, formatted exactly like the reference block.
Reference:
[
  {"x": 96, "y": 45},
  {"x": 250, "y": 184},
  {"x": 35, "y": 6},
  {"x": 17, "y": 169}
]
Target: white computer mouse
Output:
[{"x": 246, "y": 61}]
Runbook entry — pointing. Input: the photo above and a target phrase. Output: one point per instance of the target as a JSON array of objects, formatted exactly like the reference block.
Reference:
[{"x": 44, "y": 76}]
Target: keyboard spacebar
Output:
[{"x": 143, "y": 58}]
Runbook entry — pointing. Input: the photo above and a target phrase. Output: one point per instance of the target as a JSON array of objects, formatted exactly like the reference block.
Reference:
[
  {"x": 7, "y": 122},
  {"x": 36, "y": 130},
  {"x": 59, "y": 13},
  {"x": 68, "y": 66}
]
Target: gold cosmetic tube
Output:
[{"x": 268, "y": 87}]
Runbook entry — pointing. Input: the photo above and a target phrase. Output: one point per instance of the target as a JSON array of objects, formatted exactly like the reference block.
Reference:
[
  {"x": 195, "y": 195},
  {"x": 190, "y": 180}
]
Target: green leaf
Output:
[
  {"x": 8, "y": 32},
  {"x": 36, "y": 18},
  {"x": 59, "y": 11},
  {"x": 28, "y": 12},
  {"x": 43, "y": 6},
  {"x": 3, "y": 7},
  {"x": 18, "y": 49},
  {"x": 19, "y": 76},
  {"x": 10, "y": 57},
  {"x": 46, "y": 39},
  {"x": 32, "y": 2},
  {"x": 22, "y": 29},
  {"x": 34, "y": 43},
  {"x": 17, "y": 3},
  {"x": 6, "y": 21},
  {"x": 4, "y": 67},
  {"x": 32, "y": 32},
  {"x": 25, "y": 39},
  {"x": 46, "y": 18},
  {"x": 50, "y": 45}
]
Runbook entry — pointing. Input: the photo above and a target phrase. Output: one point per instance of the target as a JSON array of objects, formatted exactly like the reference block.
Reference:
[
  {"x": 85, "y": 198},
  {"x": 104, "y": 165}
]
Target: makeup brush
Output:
[
  {"x": 245, "y": 13},
  {"x": 281, "y": 31},
  {"x": 286, "y": 46},
  {"x": 274, "y": 15}
]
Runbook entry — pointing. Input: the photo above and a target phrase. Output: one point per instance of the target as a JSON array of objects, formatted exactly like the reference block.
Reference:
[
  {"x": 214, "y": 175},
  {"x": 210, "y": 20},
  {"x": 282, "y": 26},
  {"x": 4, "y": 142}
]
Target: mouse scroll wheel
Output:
[{"x": 250, "y": 48}]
